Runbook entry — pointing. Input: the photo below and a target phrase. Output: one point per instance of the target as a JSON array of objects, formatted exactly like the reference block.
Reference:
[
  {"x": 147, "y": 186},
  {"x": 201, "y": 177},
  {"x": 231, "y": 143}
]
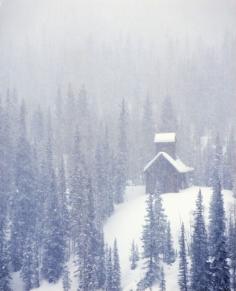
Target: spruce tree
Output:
[
  {"x": 5, "y": 194},
  {"x": 103, "y": 180},
  {"x": 63, "y": 202},
  {"x": 152, "y": 272},
  {"x": 217, "y": 240},
  {"x": 200, "y": 277},
  {"x": 116, "y": 274},
  {"x": 232, "y": 249},
  {"x": 122, "y": 155},
  {"x": 183, "y": 264},
  {"x": 169, "y": 252},
  {"x": 109, "y": 270},
  {"x": 90, "y": 255},
  {"x": 22, "y": 216},
  {"x": 160, "y": 225},
  {"x": 162, "y": 280},
  {"x": 66, "y": 281},
  {"x": 147, "y": 132},
  {"x": 133, "y": 256},
  {"x": 53, "y": 256}
]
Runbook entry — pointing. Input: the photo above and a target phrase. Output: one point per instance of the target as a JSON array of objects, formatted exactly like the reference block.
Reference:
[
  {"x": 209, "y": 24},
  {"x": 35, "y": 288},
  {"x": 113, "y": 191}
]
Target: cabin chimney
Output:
[{"x": 166, "y": 142}]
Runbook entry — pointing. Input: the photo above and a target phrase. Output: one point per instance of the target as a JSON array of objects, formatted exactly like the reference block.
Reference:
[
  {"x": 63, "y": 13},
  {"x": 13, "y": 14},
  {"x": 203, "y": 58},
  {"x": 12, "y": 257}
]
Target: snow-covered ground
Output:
[
  {"x": 127, "y": 221},
  {"x": 126, "y": 224}
]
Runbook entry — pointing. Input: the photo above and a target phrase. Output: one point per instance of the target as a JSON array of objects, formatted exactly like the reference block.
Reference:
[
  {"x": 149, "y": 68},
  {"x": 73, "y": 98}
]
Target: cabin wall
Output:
[{"x": 165, "y": 175}]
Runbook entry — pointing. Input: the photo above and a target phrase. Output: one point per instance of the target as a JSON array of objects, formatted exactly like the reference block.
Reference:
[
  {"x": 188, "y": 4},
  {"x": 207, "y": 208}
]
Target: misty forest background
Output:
[{"x": 78, "y": 114}]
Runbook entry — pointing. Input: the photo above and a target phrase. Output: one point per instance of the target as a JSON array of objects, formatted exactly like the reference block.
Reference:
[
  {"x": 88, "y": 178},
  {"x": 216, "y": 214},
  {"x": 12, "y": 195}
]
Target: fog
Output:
[{"x": 104, "y": 44}]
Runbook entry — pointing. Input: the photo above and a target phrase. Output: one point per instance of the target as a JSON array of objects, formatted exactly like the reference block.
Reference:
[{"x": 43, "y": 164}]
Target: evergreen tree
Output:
[
  {"x": 66, "y": 281},
  {"x": 109, "y": 272},
  {"x": 232, "y": 249},
  {"x": 134, "y": 256},
  {"x": 22, "y": 215},
  {"x": 4, "y": 198},
  {"x": 101, "y": 261},
  {"x": 90, "y": 256},
  {"x": 217, "y": 163},
  {"x": 200, "y": 277},
  {"x": 217, "y": 240},
  {"x": 183, "y": 264},
  {"x": 147, "y": 132},
  {"x": 152, "y": 272},
  {"x": 137, "y": 252},
  {"x": 169, "y": 252},
  {"x": 160, "y": 225},
  {"x": 78, "y": 183},
  {"x": 162, "y": 280},
  {"x": 63, "y": 204},
  {"x": 103, "y": 180},
  {"x": 116, "y": 276},
  {"x": 227, "y": 169},
  {"x": 54, "y": 242},
  {"x": 122, "y": 155}
]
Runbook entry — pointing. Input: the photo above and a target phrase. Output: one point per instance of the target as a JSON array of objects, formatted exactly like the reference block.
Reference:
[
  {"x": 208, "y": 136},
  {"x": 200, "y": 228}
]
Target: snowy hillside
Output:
[
  {"x": 128, "y": 219},
  {"x": 126, "y": 225}
]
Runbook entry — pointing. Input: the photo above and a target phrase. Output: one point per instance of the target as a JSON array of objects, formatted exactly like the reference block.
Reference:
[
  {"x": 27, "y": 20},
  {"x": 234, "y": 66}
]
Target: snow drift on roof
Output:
[
  {"x": 165, "y": 137},
  {"x": 177, "y": 164}
]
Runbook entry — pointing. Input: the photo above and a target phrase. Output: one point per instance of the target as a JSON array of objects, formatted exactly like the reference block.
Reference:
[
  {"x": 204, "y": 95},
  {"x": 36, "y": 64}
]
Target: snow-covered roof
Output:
[
  {"x": 177, "y": 164},
  {"x": 165, "y": 137}
]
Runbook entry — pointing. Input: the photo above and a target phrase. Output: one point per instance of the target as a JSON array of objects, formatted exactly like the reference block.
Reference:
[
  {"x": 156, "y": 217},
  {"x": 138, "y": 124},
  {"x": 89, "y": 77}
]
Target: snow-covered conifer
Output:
[
  {"x": 200, "y": 273},
  {"x": 116, "y": 272},
  {"x": 183, "y": 263},
  {"x": 217, "y": 239}
]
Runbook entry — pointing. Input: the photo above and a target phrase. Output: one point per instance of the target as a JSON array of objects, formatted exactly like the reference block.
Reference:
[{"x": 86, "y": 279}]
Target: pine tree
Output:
[
  {"x": 137, "y": 252},
  {"x": 63, "y": 204},
  {"x": 147, "y": 132},
  {"x": 217, "y": 240},
  {"x": 78, "y": 183},
  {"x": 122, "y": 155},
  {"x": 101, "y": 261},
  {"x": 66, "y": 281},
  {"x": 54, "y": 242},
  {"x": 133, "y": 256},
  {"x": 160, "y": 225},
  {"x": 183, "y": 264},
  {"x": 5, "y": 165},
  {"x": 108, "y": 285},
  {"x": 152, "y": 272},
  {"x": 116, "y": 275},
  {"x": 227, "y": 169},
  {"x": 217, "y": 162},
  {"x": 22, "y": 217},
  {"x": 90, "y": 256},
  {"x": 200, "y": 280},
  {"x": 29, "y": 270},
  {"x": 232, "y": 249},
  {"x": 169, "y": 252},
  {"x": 162, "y": 280},
  {"x": 103, "y": 181}
]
